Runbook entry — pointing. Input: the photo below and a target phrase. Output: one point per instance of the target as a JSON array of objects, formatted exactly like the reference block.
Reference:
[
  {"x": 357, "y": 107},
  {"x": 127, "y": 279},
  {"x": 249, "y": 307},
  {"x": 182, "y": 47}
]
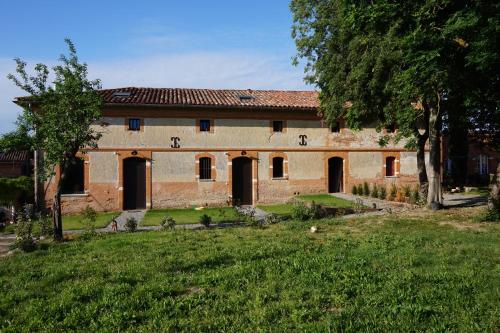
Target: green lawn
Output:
[
  {"x": 74, "y": 222},
  {"x": 189, "y": 215},
  {"x": 385, "y": 274},
  {"x": 280, "y": 209},
  {"x": 327, "y": 200},
  {"x": 321, "y": 199}
]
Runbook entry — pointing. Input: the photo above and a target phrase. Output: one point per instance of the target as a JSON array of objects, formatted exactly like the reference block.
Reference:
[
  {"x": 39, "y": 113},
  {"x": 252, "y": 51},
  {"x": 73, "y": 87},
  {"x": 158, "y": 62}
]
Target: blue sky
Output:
[{"x": 189, "y": 43}]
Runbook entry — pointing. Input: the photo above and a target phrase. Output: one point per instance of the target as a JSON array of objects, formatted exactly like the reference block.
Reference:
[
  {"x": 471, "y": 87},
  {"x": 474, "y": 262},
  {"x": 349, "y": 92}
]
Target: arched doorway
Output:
[
  {"x": 134, "y": 183},
  {"x": 335, "y": 175},
  {"x": 242, "y": 181}
]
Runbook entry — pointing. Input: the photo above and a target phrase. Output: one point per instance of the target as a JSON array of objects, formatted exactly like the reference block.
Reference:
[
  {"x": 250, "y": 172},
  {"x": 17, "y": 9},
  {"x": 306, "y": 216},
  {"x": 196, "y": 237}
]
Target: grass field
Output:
[
  {"x": 399, "y": 273},
  {"x": 321, "y": 199},
  {"x": 189, "y": 215},
  {"x": 74, "y": 222}
]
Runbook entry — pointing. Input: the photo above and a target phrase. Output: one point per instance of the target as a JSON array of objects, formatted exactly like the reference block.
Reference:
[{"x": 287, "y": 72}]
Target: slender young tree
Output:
[
  {"x": 399, "y": 62},
  {"x": 58, "y": 116}
]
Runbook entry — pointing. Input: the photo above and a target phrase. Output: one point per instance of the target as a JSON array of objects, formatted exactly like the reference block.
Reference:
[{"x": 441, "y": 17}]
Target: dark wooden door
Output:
[
  {"x": 134, "y": 183},
  {"x": 242, "y": 181},
  {"x": 335, "y": 175}
]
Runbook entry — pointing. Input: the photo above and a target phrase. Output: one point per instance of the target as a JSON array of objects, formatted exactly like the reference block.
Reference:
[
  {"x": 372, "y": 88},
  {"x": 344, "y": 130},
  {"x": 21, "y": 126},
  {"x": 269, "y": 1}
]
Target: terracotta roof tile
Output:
[{"x": 212, "y": 97}]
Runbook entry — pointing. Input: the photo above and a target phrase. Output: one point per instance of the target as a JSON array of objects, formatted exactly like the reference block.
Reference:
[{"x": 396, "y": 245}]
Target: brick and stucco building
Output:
[{"x": 187, "y": 147}]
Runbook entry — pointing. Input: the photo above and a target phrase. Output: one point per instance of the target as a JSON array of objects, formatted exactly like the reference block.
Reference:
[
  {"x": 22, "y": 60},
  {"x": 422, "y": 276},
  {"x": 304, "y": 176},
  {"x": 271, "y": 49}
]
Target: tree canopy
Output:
[
  {"x": 402, "y": 62},
  {"x": 59, "y": 115}
]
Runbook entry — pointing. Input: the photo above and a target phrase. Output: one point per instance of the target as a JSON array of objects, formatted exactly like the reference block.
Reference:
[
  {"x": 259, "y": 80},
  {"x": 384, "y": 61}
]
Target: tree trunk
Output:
[
  {"x": 57, "y": 216},
  {"x": 56, "y": 205},
  {"x": 494, "y": 200},
  {"x": 434, "y": 197},
  {"x": 422, "y": 172}
]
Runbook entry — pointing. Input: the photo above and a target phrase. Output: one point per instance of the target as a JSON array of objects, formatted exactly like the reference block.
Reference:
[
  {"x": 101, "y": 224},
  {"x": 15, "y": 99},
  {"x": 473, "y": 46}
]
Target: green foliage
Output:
[
  {"x": 88, "y": 219},
  {"x": 382, "y": 192},
  {"x": 16, "y": 190},
  {"x": 354, "y": 190},
  {"x": 375, "y": 191},
  {"x": 490, "y": 215},
  {"x": 131, "y": 224},
  {"x": 24, "y": 234},
  {"x": 273, "y": 219},
  {"x": 406, "y": 191},
  {"x": 360, "y": 189},
  {"x": 58, "y": 115},
  {"x": 46, "y": 228},
  {"x": 366, "y": 189},
  {"x": 205, "y": 220},
  {"x": 300, "y": 211},
  {"x": 167, "y": 223},
  {"x": 392, "y": 192}
]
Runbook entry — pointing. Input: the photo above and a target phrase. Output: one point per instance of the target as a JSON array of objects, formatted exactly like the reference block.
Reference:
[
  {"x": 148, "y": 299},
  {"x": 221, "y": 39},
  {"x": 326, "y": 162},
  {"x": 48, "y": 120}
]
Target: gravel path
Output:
[{"x": 122, "y": 219}]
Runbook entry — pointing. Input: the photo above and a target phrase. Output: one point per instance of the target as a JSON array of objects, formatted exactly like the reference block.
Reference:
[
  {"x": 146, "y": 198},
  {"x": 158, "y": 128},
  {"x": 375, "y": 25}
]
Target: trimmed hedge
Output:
[{"x": 16, "y": 190}]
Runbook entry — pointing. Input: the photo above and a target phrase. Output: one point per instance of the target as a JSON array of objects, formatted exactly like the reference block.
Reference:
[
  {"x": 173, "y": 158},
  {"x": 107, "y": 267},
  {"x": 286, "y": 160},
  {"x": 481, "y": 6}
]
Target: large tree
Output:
[
  {"x": 58, "y": 116},
  {"x": 400, "y": 62}
]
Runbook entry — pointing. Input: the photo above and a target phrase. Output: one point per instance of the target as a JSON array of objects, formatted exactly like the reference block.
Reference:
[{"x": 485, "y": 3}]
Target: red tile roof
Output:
[
  {"x": 14, "y": 156},
  {"x": 212, "y": 97}
]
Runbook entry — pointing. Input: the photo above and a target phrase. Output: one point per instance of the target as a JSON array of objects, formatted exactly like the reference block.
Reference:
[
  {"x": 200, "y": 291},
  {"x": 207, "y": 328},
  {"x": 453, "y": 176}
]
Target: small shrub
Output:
[
  {"x": 222, "y": 215},
  {"x": 375, "y": 191},
  {"x": 382, "y": 192},
  {"x": 392, "y": 193},
  {"x": 491, "y": 215},
  {"x": 316, "y": 211},
  {"x": 205, "y": 220},
  {"x": 360, "y": 189},
  {"x": 273, "y": 219},
  {"x": 407, "y": 191},
  {"x": 366, "y": 189},
  {"x": 354, "y": 190},
  {"x": 46, "y": 227},
  {"x": 24, "y": 234},
  {"x": 300, "y": 211},
  {"x": 167, "y": 223},
  {"x": 131, "y": 224}
]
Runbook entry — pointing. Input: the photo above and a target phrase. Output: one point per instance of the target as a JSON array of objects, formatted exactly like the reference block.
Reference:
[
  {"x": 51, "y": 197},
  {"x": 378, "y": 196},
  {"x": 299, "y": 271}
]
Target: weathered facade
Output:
[{"x": 188, "y": 147}]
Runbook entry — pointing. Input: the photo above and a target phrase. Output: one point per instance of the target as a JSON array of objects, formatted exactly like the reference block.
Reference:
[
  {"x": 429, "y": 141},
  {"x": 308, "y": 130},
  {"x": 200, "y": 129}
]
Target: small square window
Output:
[
  {"x": 391, "y": 128},
  {"x": 134, "y": 124},
  {"x": 278, "y": 126},
  {"x": 335, "y": 128},
  {"x": 204, "y": 125}
]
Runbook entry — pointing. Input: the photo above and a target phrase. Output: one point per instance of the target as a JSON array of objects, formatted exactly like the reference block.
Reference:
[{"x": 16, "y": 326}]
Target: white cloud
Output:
[{"x": 231, "y": 70}]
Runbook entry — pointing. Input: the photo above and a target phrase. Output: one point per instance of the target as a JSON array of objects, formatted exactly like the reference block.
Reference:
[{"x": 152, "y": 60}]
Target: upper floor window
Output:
[
  {"x": 205, "y": 168},
  {"x": 278, "y": 167},
  {"x": 390, "y": 166},
  {"x": 335, "y": 128},
  {"x": 482, "y": 164},
  {"x": 391, "y": 128},
  {"x": 134, "y": 124},
  {"x": 278, "y": 126},
  {"x": 204, "y": 125},
  {"x": 74, "y": 179}
]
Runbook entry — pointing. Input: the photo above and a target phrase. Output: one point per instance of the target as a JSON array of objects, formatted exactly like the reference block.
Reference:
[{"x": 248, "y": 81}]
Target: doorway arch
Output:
[
  {"x": 335, "y": 175},
  {"x": 134, "y": 183},
  {"x": 242, "y": 181}
]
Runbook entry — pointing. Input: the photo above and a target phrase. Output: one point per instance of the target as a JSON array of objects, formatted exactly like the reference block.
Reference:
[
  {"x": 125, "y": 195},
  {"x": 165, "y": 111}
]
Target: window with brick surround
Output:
[
  {"x": 74, "y": 180},
  {"x": 390, "y": 166},
  {"x": 278, "y": 126},
  {"x": 391, "y": 128},
  {"x": 335, "y": 128},
  {"x": 134, "y": 124},
  {"x": 278, "y": 167},
  {"x": 204, "y": 125},
  {"x": 205, "y": 168}
]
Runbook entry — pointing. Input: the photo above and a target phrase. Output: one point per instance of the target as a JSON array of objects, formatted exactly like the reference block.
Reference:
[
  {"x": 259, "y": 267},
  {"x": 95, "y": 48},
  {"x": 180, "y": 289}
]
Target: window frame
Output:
[
  {"x": 135, "y": 121},
  {"x": 84, "y": 178},
  {"x": 280, "y": 128},
  {"x": 339, "y": 124},
  {"x": 205, "y": 168},
  {"x": 199, "y": 158},
  {"x": 392, "y": 166},
  {"x": 284, "y": 165},
  {"x": 281, "y": 167}
]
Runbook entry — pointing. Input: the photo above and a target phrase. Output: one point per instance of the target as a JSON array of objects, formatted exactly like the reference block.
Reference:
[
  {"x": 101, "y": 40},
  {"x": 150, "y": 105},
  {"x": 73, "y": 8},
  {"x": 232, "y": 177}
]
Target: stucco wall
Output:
[
  {"x": 365, "y": 165},
  {"x": 103, "y": 167},
  {"x": 408, "y": 162},
  {"x": 230, "y": 133},
  {"x": 308, "y": 165}
]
